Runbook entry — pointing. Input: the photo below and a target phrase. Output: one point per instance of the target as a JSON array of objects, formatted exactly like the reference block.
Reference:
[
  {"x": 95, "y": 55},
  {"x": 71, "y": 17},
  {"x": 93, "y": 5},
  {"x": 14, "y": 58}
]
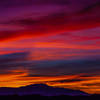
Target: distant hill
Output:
[{"x": 40, "y": 89}]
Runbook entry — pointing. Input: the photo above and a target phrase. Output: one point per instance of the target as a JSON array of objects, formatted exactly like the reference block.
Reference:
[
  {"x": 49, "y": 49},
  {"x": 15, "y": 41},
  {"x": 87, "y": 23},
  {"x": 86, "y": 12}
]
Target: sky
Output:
[{"x": 55, "y": 42}]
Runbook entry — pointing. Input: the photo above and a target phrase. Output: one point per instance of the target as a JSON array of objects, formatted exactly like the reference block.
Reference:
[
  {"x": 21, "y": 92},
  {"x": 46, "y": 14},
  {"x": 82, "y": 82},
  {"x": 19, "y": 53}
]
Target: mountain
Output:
[{"x": 40, "y": 89}]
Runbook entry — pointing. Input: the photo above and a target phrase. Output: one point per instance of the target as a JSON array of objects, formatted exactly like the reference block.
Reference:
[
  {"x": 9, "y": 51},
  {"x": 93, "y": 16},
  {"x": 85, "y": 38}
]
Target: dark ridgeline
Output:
[
  {"x": 40, "y": 89},
  {"x": 44, "y": 92}
]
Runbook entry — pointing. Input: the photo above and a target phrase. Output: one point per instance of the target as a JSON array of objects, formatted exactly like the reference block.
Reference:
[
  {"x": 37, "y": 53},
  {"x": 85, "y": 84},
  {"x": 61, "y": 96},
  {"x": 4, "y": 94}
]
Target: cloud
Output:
[
  {"x": 18, "y": 3},
  {"x": 50, "y": 24},
  {"x": 18, "y": 68},
  {"x": 51, "y": 42},
  {"x": 90, "y": 8},
  {"x": 48, "y": 67},
  {"x": 10, "y": 61},
  {"x": 78, "y": 82}
]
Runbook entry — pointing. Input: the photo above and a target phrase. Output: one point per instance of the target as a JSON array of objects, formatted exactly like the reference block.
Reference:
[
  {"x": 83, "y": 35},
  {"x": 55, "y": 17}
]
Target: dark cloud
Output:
[
  {"x": 12, "y": 60},
  {"x": 24, "y": 21},
  {"x": 39, "y": 2},
  {"x": 57, "y": 2},
  {"x": 91, "y": 84},
  {"x": 61, "y": 18},
  {"x": 90, "y": 8},
  {"x": 48, "y": 68},
  {"x": 68, "y": 80},
  {"x": 14, "y": 3}
]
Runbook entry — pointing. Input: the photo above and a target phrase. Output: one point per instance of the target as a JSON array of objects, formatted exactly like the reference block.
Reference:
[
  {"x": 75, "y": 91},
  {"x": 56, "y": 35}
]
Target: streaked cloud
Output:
[{"x": 56, "y": 42}]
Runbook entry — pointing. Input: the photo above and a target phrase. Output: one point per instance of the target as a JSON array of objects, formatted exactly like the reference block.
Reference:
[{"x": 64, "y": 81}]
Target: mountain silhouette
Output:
[{"x": 40, "y": 89}]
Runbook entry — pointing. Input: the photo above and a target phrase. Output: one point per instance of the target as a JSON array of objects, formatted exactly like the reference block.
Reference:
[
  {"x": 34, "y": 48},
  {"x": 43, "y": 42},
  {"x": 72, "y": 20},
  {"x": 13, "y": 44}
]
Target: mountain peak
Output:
[
  {"x": 41, "y": 89},
  {"x": 36, "y": 85}
]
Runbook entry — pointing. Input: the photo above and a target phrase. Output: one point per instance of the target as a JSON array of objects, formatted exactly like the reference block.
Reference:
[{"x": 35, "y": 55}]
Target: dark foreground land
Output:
[{"x": 38, "y": 97}]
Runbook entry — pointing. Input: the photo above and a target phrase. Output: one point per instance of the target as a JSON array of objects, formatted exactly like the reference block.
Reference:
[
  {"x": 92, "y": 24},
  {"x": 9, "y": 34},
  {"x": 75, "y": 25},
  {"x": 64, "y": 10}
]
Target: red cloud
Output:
[{"x": 51, "y": 24}]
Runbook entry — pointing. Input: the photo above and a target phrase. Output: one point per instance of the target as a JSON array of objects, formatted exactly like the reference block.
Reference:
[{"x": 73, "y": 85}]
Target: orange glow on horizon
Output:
[{"x": 20, "y": 78}]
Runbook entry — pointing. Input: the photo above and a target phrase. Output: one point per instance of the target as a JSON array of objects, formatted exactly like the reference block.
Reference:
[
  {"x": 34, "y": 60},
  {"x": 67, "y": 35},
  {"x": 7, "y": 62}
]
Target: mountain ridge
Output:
[{"x": 40, "y": 89}]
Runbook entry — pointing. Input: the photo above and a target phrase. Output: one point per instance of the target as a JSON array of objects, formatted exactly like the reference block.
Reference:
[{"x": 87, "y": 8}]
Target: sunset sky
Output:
[{"x": 55, "y": 42}]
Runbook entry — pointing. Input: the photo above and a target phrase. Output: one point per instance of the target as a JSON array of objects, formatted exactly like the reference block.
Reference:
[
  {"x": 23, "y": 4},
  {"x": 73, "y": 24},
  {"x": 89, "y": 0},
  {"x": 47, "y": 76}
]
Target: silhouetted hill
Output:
[{"x": 40, "y": 89}]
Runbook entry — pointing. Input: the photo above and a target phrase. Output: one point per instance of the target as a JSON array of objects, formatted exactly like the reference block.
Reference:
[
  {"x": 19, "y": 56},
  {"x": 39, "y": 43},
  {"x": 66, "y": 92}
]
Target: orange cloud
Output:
[
  {"x": 47, "y": 45},
  {"x": 81, "y": 82}
]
